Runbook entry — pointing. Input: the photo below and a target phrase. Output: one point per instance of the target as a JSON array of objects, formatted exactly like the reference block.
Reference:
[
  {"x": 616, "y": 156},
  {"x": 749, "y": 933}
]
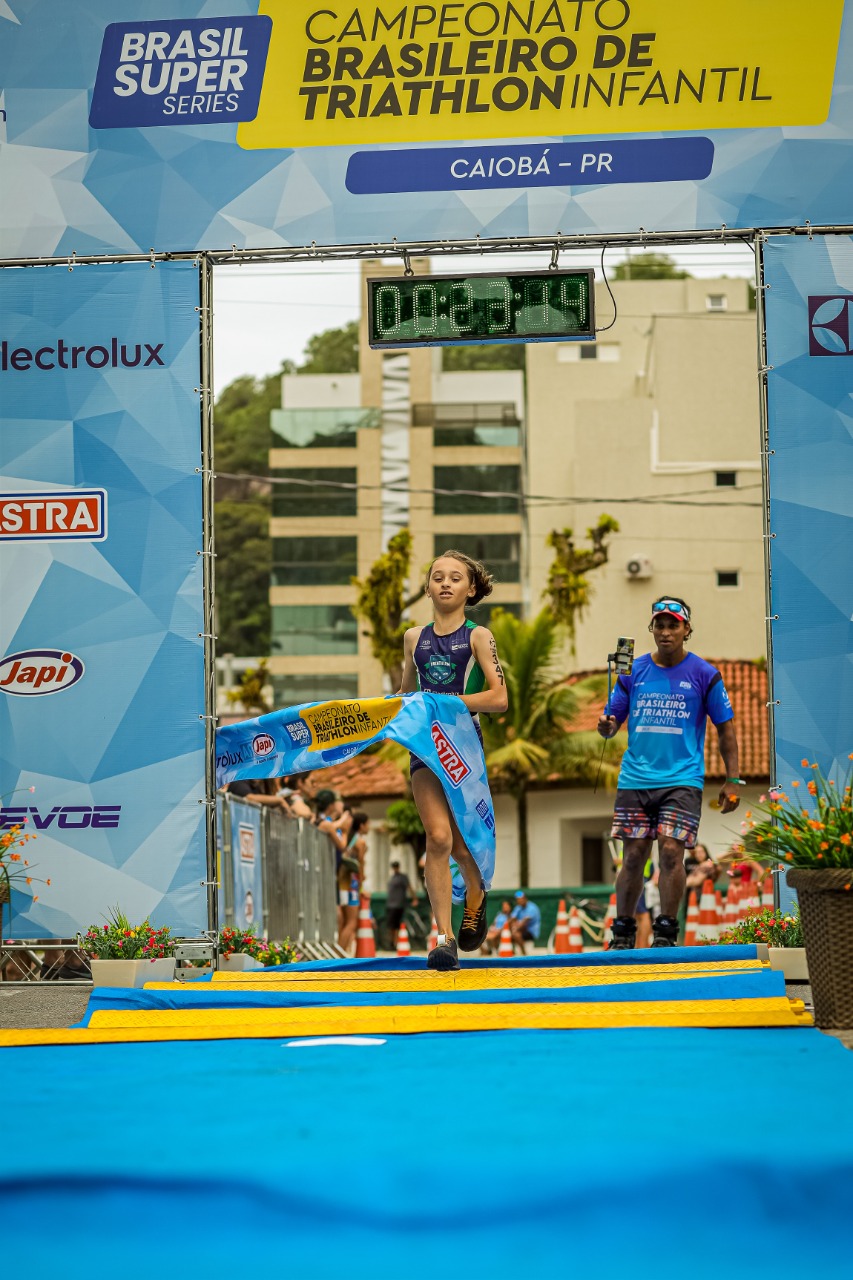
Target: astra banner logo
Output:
[
  {"x": 112, "y": 354},
  {"x": 54, "y": 516},
  {"x": 68, "y": 817},
  {"x": 831, "y": 325},
  {"x": 449, "y": 758},
  {"x": 190, "y": 71}
]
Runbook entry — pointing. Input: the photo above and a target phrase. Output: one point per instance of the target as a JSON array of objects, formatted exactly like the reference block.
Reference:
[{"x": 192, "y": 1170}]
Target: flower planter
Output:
[
  {"x": 791, "y": 961},
  {"x": 131, "y": 973},
  {"x": 238, "y": 963},
  {"x": 826, "y": 908}
]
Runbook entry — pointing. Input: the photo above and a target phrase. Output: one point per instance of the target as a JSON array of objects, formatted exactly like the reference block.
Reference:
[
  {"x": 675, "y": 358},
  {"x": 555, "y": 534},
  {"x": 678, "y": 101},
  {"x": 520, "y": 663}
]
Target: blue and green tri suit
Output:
[{"x": 447, "y": 664}]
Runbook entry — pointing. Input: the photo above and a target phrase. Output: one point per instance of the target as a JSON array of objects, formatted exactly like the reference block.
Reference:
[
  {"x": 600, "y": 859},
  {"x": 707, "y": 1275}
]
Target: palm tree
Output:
[{"x": 530, "y": 741}]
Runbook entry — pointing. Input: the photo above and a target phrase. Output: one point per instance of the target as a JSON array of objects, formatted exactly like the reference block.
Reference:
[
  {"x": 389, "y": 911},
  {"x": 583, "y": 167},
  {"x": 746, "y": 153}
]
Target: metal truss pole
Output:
[{"x": 208, "y": 560}]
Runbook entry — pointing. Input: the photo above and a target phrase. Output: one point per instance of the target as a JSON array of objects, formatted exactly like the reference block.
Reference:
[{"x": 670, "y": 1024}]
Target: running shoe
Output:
[
  {"x": 624, "y": 934},
  {"x": 445, "y": 955},
  {"x": 474, "y": 927},
  {"x": 665, "y": 930}
]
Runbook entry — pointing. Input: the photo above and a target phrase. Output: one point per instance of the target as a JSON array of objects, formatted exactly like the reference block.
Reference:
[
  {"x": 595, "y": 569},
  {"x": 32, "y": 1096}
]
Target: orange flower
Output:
[
  {"x": 29, "y": 879},
  {"x": 47, "y": 882},
  {"x": 804, "y": 763},
  {"x": 824, "y": 844},
  {"x": 846, "y": 838},
  {"x": 819, "y": 856},
  {"x": 795, "y": 783},
  {"x": 789, "y": 857},
  {"x": 812, "y": 789}
]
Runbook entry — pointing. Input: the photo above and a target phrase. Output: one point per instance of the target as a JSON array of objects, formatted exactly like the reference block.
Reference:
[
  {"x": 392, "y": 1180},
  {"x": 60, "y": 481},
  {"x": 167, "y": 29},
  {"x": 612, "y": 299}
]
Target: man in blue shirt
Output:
[
  {"x": 666, "y": 700},
  {"x": 525, "y": 921}
]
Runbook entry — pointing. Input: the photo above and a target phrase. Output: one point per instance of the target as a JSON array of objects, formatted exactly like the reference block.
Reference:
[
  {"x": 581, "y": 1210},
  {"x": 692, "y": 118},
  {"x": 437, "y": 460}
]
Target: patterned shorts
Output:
[{"x": 665, "y": 812}]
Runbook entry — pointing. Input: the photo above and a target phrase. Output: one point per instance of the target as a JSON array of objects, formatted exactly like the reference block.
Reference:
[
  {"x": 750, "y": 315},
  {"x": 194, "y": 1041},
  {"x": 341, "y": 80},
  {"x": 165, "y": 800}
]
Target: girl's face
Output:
[{"x": 449, "y": 585}]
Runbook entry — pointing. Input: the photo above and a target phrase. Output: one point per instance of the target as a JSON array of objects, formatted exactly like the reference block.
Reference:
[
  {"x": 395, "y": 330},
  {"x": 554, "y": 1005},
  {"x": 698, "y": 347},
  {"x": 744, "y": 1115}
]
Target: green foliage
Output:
[
  {"x": 250, "y": 691},
  {"x": 241, "y": 432},
  {"x": 380, "y": 603},
  {"x": 246, "y": 942},
  {"x": 815, "y": 833},
  {"x": 568, "y": 590},
  {"x": 403, "y": 822},
  {"x": 333, "y": 351},
  {"x": 461, "y": 359},
  {"x": 242, "y": 577},
  {"x": 768, "y": 926},
  {"x": 649, "y": 266},
  {"x": 118, "y": 939},
  {"x": 530, "y": 742}
]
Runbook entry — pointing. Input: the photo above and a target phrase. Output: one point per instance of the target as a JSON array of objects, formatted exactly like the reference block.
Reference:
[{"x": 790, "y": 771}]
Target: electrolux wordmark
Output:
[
  {"x": 110, "y": 354},
  {"x": 198, "y": 71}
]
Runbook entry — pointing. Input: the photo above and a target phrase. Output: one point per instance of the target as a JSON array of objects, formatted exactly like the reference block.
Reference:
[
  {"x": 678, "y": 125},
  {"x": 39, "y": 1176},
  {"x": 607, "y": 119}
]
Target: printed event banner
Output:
[
  {"x": 246, "y": 870},
  {"x": 101, "y": 662},
  {"x": 437, "y": 728},
  {"x": 138, "y": 126},
  {"x": 809, "y": 305}
]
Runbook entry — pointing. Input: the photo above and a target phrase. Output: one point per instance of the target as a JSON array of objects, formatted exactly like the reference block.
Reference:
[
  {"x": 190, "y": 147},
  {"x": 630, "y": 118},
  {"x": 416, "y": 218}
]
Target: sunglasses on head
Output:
[{"x": 671, "y": 606}]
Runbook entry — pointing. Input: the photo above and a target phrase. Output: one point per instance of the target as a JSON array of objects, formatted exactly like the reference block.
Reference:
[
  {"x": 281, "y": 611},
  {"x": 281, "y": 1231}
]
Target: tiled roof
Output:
[
  {"x": 747, "y": 687},
  {"x": 364, "y": 778}
]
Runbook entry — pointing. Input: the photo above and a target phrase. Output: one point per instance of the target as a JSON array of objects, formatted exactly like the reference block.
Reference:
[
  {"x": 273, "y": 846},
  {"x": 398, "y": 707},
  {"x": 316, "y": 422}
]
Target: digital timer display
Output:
[{"x": 432, "y": 311}]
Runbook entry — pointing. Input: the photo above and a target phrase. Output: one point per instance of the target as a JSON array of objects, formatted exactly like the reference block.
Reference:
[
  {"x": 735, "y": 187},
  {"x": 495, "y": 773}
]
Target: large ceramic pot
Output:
[
  {"x": 826, "y": 909},
  {"x": 131, "y": 973}
]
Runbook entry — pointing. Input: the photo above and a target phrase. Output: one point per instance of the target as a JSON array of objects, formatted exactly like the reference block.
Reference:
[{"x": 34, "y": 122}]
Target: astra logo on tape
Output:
[
  {"x": 185, "y": 71},
  {"x": 449, "y": 758}
]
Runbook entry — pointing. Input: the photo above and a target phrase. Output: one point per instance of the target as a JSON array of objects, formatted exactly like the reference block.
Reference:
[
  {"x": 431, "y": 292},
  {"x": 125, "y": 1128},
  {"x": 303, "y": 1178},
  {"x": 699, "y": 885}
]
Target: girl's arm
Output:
[
  {"x": 494, "y": 697},
  {"x": 409, "y": 682},
  {"x": 328, "y": 828}
]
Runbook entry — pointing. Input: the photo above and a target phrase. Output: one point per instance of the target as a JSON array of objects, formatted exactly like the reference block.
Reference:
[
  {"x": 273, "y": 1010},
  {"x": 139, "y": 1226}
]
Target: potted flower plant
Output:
[
  {"x": 809, "y": 828},
  {"x": 781, "y": 934},
  {"x": 15, "y": 869},
  {"x": 242, "y": 949},
  {"x": 126, "y": 955}
]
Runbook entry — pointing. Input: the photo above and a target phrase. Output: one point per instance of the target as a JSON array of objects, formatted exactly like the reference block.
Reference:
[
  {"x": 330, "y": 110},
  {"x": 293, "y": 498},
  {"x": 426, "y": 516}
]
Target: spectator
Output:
[
  {"x": 351, "y": 878},
  {"x": 398, "y": 890},
  {"x": 295, "y": 791},
  {"x": 260, "y": 791},
  {"x": 525, "y": 921},
  {"x": 496, "y": 927}
]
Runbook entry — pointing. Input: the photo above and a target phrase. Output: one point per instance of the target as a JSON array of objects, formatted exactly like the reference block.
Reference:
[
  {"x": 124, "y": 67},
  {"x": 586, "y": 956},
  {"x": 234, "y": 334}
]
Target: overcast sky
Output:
[{"x": 266, "y": 314}]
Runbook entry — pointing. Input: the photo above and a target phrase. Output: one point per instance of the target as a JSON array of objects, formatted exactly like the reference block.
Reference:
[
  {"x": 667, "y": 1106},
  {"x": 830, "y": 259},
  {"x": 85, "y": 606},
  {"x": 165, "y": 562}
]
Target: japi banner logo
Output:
[{"x": 37, "y": 671}]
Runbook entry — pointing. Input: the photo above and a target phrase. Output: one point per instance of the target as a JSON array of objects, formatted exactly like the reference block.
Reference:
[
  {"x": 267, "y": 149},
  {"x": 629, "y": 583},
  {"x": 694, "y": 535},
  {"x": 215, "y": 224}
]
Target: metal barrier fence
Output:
[{"x": 294, "y": 876}]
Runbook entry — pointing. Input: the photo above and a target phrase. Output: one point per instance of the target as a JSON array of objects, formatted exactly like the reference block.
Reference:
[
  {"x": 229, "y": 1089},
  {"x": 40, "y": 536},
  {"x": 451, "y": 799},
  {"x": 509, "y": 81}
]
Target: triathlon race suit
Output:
[{"x": 446, "y": 664}]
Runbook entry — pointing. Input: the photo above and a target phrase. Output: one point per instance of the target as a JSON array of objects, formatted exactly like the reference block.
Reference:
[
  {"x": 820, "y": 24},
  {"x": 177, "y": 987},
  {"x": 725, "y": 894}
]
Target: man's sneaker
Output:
[
  {"x": 474, "y": 926},
  {"x": 444, "y": 955},
  {"x": 624, "y": 934},
  {"x": 665, "y": 930}
]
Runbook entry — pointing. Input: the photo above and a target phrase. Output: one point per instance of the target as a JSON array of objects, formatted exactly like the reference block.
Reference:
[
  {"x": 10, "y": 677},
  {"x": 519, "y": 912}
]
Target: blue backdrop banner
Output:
[
  {"x": 437, "y": 728},
  {"x": 101, "y": 661},
  {"x": 246, "y": 867},
  {"x": 809, "y": 305}
]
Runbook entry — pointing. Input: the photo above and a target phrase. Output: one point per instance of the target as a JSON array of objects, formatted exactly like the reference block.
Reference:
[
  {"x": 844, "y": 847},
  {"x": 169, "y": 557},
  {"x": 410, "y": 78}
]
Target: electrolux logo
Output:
[
  {"x": 182, "y": 71},
  {"x": 54, "y": 515},
  {"x": 112, "y": 354},
  {"x": 831, "y": 325}
]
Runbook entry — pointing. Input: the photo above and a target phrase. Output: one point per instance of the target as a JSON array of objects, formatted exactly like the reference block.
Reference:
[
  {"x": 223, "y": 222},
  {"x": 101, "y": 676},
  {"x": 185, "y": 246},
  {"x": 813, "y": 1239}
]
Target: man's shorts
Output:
[{"x": 662, "y": 813}]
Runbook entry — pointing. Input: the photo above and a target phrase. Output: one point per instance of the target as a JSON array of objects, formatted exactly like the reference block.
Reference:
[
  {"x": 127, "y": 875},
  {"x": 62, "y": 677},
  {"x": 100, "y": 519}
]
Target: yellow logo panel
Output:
[
  {"x": 335, "y": 724},
  {"x": 344, "y": 74}
]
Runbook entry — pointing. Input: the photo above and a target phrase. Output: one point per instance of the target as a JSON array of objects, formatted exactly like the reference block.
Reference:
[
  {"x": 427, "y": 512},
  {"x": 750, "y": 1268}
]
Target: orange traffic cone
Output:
[
  {"x": 432, "y": 940},
  {"x": 752, "y": 900},
  {"x": 730, "y": 918},
  {"x": 506, "y": 950},
  {"x": 767, "y": 892},
  {"x": 692, "y": 920},
  {"x": 561, "y": 934},
  {"x": 707, "y": 930},
  {"x": 403, "y": 945},
  {"x": 575, "y": 946},
  {"x": 609, "y": 917},
  {"x": 365, "y": 943},
  {"x": 718, "y": 899}
]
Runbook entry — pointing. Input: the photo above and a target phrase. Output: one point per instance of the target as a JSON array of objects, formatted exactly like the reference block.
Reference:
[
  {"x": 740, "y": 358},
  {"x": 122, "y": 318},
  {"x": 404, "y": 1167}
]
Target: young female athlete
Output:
[{"x": 452, "y": 655}]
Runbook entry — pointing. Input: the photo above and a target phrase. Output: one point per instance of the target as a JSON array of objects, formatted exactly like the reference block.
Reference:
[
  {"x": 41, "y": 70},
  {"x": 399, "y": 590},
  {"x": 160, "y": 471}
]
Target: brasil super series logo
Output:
[{"x": 183, "y": 71}]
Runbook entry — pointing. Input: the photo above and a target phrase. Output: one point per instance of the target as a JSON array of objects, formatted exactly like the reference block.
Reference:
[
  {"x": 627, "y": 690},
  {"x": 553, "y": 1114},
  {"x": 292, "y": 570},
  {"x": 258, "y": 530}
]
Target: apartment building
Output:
[{"x": 357, "y": 457}]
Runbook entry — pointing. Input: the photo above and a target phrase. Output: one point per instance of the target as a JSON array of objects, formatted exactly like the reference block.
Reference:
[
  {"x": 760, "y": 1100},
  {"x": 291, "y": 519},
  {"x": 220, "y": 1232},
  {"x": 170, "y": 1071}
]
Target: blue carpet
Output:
[
  {"x": 663, "y": 955},
  {"x": 712, "y": 1152}
]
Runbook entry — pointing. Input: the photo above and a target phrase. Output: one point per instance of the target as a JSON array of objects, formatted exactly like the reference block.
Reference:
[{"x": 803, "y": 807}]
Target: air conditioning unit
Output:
[{"x": 639, "y": 568}]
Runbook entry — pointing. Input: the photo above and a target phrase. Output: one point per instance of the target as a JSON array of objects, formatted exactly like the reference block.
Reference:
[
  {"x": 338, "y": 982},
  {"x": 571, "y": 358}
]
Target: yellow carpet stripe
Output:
[
  {"x": 502, "y": 977},
  {"x": 230, "y": 1024},
  {"x": 462, "y": 980}
]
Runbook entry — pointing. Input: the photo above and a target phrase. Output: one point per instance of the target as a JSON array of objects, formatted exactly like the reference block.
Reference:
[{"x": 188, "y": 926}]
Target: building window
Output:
[
  {"x": 603, "y": 352},
  {"x": 290, "y": 691},
  {"x": 314, "y": 562},
  {"x": 482, "y": 613},
  {"x": 299, "y": 629},
  {"x": 592, "y": 859},
  {"x": 725, "y": 479},
  {"x": 463, "y": 425},
  {"x": 320, "y": 428},
  {"x": 502, "y": 484},
  {"x": 716, "y": 302},
  {"x": 499, "y": 552},
  {"x": 588, "y": 350},
  {"x": 728, "y": 578},
  {"x": 300, "y": 499}
]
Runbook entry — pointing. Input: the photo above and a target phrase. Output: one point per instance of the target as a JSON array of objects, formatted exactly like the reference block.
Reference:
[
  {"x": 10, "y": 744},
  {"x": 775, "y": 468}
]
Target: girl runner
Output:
[{"x": 452, "y": 655}]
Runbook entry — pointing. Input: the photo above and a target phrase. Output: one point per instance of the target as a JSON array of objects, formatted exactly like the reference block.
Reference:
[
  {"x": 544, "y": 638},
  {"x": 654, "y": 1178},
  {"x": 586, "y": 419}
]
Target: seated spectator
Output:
[
  {"x": 260, "y": 791},
  {"x": 495, "y": 928},
  {"x": 525, "y": 921}
]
